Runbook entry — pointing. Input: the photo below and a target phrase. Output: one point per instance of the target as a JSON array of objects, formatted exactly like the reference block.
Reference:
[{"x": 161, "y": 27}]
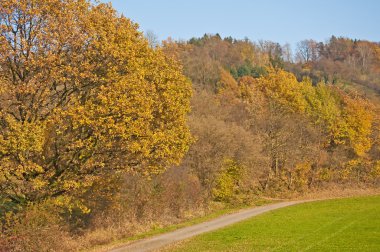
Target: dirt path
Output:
[{"x": 160, "y": 241}]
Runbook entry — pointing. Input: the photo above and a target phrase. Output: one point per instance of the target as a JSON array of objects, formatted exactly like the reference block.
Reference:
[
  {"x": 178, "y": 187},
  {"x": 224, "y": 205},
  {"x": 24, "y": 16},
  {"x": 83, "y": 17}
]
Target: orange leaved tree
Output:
[{"x": 82, "y": 95}]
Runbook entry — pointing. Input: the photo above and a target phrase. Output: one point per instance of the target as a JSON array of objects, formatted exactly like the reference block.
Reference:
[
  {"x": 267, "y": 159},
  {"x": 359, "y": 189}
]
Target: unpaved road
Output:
[{"x": 160, "y": 241}]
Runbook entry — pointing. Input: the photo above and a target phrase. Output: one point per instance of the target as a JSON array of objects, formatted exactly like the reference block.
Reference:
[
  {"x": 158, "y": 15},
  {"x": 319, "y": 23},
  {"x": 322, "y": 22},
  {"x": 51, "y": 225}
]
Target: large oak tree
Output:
[{"x": 82, "y": 94}]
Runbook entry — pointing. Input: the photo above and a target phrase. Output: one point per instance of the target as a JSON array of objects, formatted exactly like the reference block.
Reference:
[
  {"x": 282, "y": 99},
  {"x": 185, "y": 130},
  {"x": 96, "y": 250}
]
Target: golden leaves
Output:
[
  {"x": 346, "y": 118},
  {"x": 82, "y": 95}
]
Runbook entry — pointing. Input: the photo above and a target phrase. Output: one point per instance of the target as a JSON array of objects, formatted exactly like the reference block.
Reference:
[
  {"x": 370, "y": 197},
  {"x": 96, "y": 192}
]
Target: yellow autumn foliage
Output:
[
  {"x": 82, "y": 95},
  {"x": 346, "y": 118}
]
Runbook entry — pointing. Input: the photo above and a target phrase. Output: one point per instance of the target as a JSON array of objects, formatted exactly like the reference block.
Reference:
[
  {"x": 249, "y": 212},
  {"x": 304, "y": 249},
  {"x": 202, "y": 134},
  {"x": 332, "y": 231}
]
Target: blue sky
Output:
[{"x": 279, "y": 21}]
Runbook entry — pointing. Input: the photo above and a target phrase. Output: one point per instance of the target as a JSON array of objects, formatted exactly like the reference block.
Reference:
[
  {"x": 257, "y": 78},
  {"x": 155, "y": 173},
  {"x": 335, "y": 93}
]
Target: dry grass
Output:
[{"x": 340, "y": 191}]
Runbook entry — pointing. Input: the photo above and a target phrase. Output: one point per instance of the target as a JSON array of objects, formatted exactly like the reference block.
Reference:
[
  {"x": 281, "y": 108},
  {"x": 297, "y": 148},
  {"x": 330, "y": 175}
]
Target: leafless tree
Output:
[
  {"x": 152, "y": 38},
  {"x": 307, "y": 50},
  {"x": 287, "y": 53},
  {"x": 365, "y": 56}
]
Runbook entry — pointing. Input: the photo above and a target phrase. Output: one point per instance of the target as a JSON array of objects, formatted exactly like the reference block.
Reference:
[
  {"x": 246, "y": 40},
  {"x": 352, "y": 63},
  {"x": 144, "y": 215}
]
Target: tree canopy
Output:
[{"x": 82, "y": 94}]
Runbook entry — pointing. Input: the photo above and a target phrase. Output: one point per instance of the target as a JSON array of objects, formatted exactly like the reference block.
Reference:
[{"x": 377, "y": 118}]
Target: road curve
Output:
[{"x": 160, "y": 241}]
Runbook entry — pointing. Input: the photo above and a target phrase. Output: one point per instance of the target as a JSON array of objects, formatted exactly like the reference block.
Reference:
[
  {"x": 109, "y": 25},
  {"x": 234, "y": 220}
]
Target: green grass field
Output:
[{"x": 333, "y": 225}]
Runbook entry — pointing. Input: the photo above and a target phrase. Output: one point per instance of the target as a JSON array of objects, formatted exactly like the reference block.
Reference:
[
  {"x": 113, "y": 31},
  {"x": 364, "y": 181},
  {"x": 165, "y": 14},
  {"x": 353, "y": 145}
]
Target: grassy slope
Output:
[{"x": 333, "y": 225}]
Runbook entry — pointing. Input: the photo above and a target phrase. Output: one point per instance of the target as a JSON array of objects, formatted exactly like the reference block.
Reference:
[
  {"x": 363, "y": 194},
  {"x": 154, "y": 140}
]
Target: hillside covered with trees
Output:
[
  {"x": 104, "y": 134},
  {"x": 292, "y": 123}
]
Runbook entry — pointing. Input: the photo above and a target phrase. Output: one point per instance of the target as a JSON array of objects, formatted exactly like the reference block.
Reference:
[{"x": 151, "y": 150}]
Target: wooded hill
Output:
[
  {"x": 102, "y": 135},
  {"x": 293, "y": 121}
]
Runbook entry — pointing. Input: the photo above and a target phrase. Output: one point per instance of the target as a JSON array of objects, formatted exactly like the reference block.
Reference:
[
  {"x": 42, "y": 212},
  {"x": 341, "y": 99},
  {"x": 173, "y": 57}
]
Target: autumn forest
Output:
[{"x": 106, "y": 133}]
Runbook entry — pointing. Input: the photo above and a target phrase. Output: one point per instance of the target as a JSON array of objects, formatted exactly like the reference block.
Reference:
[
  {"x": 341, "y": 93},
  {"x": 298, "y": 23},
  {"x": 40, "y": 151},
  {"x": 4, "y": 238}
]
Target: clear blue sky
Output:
[{"x": 280, "y": 21}]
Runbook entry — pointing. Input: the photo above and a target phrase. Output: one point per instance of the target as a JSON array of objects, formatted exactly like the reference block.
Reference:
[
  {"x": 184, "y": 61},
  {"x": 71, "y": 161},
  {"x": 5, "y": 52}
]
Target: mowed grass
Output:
[{"x": 333, "y": 225}]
